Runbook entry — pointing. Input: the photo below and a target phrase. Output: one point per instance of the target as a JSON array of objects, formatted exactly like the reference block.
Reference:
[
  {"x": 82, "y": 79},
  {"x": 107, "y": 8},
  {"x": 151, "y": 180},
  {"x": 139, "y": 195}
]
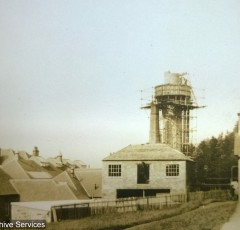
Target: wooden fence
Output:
[
  {"x": 134, "y": 203},
  {"x": 70, "y": 211},
  {"x": 76, "y": 211},
  {"x": 212, "y": 194}
]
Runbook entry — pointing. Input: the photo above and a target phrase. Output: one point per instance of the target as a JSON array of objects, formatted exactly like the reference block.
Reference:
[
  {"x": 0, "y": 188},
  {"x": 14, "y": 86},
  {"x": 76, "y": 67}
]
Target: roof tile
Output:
[{"x": 147, "y": 152}]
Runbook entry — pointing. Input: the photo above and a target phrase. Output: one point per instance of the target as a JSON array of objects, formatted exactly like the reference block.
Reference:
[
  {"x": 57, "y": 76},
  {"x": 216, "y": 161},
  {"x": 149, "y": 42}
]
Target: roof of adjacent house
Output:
[
  {"x": 42, "y": 190},
  {"x": 6, "y": 187},
  {"x": 55, "y": 162},
  {"x": 39, "y": 175},
  {"x": 80, "y": 164},
  {"x": 7, "y": 155},
  {"x": 68, "y": 162},
  {"x": 23, "y": 155},
  {"x": 80, "y": 191},
  {"x": 32, "y": 166},
  {"x": 15, "y": 170},
  {"x": 64, "y": 177},
  {"x": 39, "y": 160},
  {"x": 147, "y": 152},
  {"x": 73, "y": 183},
  {"x": 91, "y": 180}
]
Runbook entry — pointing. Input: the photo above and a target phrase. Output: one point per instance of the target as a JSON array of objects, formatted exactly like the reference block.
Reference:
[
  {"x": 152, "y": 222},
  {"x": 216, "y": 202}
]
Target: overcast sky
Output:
[{"x": 71, "y": 71}]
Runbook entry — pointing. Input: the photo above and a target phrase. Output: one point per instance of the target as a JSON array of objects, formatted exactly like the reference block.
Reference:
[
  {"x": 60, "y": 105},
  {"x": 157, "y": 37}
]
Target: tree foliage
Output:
[{"x": 215, "y": 158}]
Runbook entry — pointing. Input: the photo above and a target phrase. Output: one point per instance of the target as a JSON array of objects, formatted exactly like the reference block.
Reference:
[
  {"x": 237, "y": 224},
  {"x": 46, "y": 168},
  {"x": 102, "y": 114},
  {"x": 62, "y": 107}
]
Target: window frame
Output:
[
  {"x": 114, "y": 170},
  {"x": 172, "y": 170}
]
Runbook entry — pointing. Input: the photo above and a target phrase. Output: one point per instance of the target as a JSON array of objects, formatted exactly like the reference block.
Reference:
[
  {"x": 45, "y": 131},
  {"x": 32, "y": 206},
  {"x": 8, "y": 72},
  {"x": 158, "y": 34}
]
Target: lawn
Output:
[
  {"x": 210, "y": 217},
  {"x": 192, "y": 215}
]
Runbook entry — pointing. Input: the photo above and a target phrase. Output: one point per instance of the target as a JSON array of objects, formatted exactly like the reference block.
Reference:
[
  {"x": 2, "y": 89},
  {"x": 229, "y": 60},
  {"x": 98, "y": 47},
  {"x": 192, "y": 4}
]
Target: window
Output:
[
  {"x": 114, "y": 170},
  {"x": 143, "y": 173},
  {"x": 172, "y": 170}
]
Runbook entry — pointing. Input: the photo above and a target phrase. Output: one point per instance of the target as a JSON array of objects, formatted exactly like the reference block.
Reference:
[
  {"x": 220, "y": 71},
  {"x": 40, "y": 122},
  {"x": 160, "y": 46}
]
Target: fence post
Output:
[{"x": 54, "y": 215}]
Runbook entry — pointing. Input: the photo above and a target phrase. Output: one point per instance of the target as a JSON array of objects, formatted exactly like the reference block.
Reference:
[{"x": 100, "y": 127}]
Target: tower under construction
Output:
[{"x": 170, "y": 112}]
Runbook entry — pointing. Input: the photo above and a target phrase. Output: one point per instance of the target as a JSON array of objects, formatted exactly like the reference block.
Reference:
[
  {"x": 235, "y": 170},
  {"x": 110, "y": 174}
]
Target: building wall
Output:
[
  {"x": 5, "y": 207},
  {"x": 157, "y": 178},
  {"x": 27, "y": 213}
]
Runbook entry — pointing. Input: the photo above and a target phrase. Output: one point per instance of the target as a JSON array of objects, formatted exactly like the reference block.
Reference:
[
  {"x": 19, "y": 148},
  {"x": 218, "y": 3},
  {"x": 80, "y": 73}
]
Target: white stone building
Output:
[{"x": 145, "y": 170}]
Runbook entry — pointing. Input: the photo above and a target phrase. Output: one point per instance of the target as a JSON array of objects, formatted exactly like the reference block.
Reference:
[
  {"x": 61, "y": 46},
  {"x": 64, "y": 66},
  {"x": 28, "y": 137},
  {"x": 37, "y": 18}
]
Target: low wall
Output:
[
  {"x": 93, "y": 207},
  {"x": 27, "y": 213}
]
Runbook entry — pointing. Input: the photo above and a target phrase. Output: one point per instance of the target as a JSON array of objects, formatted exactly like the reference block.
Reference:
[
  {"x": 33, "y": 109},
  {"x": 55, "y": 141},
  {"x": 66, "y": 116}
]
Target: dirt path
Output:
[
  {"x": 234, "y": 222},
  {"x": 206, "y": 217}
]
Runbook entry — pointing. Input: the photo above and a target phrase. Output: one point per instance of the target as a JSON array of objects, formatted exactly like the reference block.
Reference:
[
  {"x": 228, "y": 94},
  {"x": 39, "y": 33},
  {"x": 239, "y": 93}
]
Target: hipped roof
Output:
[{"x": 147, "y": 152}]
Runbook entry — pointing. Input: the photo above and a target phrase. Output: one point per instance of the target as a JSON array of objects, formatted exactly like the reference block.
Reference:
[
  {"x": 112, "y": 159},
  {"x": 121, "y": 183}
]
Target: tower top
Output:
[
  {"x": 175, "y": 78},
  {"x": 170, "y": 111}
]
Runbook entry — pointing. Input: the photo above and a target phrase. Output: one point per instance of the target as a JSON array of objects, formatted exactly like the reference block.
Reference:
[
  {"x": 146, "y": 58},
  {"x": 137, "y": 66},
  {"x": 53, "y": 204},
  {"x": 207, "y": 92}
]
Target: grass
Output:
[
  {"x": 204, "y": 218},
  {"x": 188, "y": 214}
]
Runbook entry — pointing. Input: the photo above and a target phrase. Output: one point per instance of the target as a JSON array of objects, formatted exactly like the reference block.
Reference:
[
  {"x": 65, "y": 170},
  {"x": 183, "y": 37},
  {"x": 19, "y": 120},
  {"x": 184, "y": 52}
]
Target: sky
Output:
[{"x": 73, "y": 72}]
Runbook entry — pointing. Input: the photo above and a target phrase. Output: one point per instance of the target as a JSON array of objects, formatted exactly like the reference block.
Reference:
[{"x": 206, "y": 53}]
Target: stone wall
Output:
[{"x": 157, "y": 177}]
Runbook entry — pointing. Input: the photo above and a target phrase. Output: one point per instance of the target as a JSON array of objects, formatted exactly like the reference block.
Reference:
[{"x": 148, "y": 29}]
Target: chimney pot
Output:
[{"x": 35, "y": 151}]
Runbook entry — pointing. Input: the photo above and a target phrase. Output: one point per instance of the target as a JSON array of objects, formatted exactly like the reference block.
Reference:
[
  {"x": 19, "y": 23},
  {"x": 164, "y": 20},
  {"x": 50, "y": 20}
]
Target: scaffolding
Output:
[{"x": 170, "y": 112}]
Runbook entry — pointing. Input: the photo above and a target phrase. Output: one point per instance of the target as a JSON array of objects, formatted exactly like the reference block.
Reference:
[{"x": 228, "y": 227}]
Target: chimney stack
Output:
[
  {"x": 35, "y": 152},
  {"x": 59, "y": 157}
]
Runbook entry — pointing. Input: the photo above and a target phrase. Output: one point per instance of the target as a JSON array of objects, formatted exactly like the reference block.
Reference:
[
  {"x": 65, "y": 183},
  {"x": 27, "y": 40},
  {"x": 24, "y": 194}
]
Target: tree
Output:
[{"x": 214, "y": 159}]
